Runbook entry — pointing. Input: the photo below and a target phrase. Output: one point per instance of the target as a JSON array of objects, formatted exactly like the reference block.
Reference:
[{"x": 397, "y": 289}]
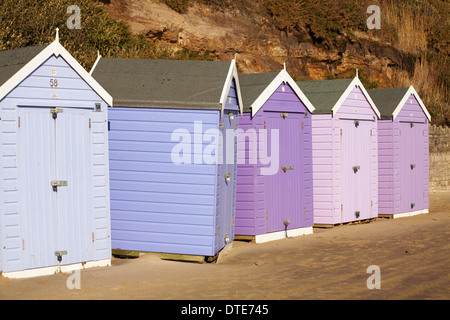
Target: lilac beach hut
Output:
[
  {"x": 403, "y": 153},
  {"x": 167, "y": 194},
  {"x": 54, "y": 199},
  {"x": 274, "y": 198},
  {"x": 345, "y": 158}
]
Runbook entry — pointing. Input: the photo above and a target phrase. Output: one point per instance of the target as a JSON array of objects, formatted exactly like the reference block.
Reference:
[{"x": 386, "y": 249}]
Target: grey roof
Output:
[
  {"x": 323, "y": 94},
  {"x": 190, "y": 84},
  {"x": 387, "y": 100},
  {"x": 252, "y": 85},
  {"x": 11, "y": 61}
]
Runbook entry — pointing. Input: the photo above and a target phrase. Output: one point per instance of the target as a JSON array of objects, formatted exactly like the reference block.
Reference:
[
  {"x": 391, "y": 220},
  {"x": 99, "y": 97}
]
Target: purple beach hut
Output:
[
  {"x": 403, "y": 153},
  {"x": 274, "y": 180},
  {"x": 345, "y": 158}
]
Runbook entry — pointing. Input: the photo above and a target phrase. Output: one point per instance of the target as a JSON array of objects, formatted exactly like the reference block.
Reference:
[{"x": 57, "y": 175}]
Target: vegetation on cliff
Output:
[{"x": 416, "y": 30}]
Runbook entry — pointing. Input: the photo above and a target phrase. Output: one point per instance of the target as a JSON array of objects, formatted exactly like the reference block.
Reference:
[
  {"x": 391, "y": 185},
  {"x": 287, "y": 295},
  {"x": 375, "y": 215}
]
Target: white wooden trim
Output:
[
  {"x": 55, "y": 48},
  {"x": 232, "y": 74},
  {"x": 282, "y": 77},
  {"x": 38, "y": 272},
  {"x": 95, "y": 63},
  {"x": 411, "y": 91},
  {"x": 355, "y": 83},
  {"x": 409, "y": 214},
  {"x": 261, "y": 238}
]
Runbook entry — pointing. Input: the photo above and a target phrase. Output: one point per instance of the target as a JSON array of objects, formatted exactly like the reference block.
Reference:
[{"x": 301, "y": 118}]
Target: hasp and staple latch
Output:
[
  {"x": 58, "y": 183},
  {"x": 59, "y": 255},
  {"x": 286, "y": 168},
  {"x": 55, "y": 112}
]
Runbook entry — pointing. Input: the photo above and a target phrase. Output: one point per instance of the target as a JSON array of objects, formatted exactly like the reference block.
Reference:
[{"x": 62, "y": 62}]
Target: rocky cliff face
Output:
[{"x": 243, "y": 29}]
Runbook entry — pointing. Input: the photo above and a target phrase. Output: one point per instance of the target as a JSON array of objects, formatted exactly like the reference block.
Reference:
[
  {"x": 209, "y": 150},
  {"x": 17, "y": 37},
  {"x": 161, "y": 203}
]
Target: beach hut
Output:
[
  {"x": 172, "y": 154},
  {"x": 54, "y": 195},
  {"x": 345, "y": 158},
  {"x": 402, "y": 152},
  {"x": 274, "y": 184}
]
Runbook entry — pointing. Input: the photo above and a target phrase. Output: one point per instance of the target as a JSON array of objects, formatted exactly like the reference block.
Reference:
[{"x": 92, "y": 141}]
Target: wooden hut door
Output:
[
  {"x": 356, "y": 170},
  {"x": 55, "y": 184},
  {"x": 284, "y": 196},
  {"x": 411, "y": 166}
]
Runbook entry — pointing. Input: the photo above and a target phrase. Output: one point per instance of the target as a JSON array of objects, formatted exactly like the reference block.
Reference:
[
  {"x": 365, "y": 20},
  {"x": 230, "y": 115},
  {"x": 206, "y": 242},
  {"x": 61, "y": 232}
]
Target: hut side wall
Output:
[
  {"x": 156, "y": 204},
  {"x": 323, "y": 145},
  {"x": 226, "y": 191},
  {"x": 250, "y": 208}
]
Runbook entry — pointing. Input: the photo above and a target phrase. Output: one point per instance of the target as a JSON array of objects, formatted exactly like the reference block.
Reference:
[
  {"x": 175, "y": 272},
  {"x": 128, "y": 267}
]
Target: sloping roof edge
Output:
[
  {"x": 282, "y": 77},
  {"x": 358, "y": 83},
  {"x": 55, "y": 48},
  {"x": 411, "y": 91}
]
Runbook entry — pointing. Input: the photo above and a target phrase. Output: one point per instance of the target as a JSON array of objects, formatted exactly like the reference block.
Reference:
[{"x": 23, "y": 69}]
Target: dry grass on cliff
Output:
[{"x": 434, "y": 94}]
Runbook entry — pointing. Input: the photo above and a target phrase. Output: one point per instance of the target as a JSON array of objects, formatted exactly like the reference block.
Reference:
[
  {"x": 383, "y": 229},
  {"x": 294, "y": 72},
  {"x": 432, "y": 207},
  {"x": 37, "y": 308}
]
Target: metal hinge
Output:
[
  {"x": 264, "y": 124},
  {"x": 18, "y": 120},
  {"x": 93, "y": 238},
  {"x": 267, "y": 215},
  {"x": 89, "y": 123}
]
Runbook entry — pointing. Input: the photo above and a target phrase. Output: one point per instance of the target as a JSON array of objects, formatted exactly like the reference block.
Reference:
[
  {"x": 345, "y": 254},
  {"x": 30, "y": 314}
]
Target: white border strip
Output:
[
  {"x": 56, "y": 269},
  {"x": 282, "y": 234},
  {"x": 411, "y": 91},
  {"x": 356, "y": 82},
  {"x": 282, "y": 77},
  {"x": 232, "y": 74},
  {"x": 55, "y": 48},
  {"x": 409, "y": 214}
]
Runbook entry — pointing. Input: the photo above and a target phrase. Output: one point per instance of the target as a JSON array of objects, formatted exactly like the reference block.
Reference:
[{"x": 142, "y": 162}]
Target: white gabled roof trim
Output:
[
  {"x": 411, "y": 91},
  {"x": 355, "y": 83},
  {"x": 282, "y": 77},
  {"x": 232, "y": 74},
  {"x": 55, "y": 48},
  {"x": 96, "y": 62}
]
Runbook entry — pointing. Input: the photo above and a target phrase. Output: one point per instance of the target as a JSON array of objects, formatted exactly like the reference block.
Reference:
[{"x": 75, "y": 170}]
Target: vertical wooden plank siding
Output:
[{"x": 35, "y": 93}]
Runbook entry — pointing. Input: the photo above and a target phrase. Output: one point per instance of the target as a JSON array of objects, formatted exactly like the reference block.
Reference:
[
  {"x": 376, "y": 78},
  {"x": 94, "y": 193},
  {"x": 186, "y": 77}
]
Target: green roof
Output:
[
  {"x": 324, "y": 94},
  {"x": 252, "y": 85},
  {"x": 387, "y": 100},
  {"x": 188, "y": 84},
  {"x": 11, "y": 61}
]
